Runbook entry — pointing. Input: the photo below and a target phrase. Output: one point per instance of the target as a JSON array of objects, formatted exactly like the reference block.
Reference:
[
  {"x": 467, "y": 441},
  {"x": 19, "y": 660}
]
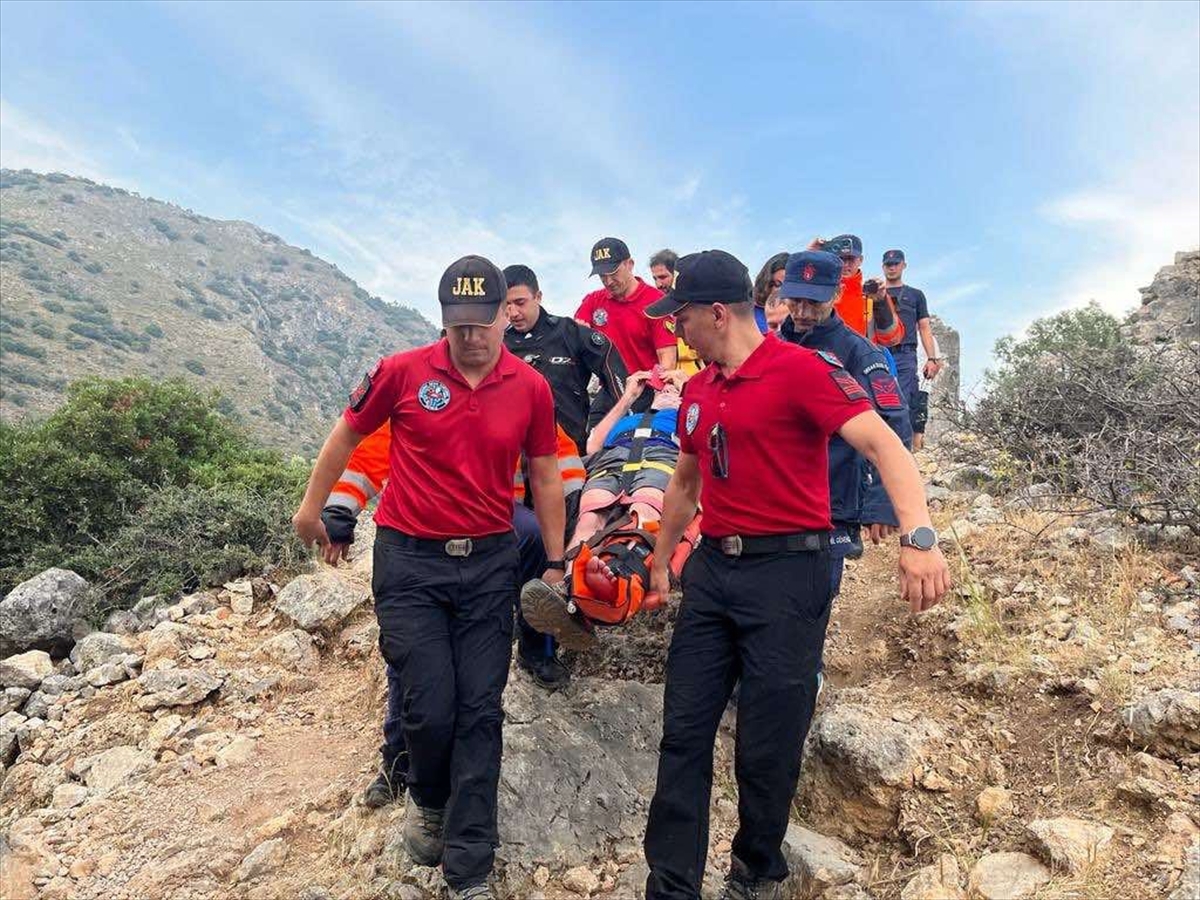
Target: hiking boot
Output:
[
  {"x": 423, "y": 833},
  {"x": 479, "y": 891},
  {"x": 388, "y": 787},
  {"x": 546, "y": 671},
  {"x": 544, "y": 607},
  {"x": 741, "y": 885}
]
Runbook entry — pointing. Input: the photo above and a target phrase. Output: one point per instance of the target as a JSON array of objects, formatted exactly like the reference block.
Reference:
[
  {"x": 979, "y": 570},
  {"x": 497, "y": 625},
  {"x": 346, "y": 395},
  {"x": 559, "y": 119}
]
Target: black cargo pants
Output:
[
  {"x": 446, "y": 626},
  {"x": 760, "y": 619}
]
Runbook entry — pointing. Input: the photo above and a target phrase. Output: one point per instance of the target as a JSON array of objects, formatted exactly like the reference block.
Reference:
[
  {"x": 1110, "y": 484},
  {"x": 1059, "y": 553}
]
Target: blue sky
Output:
[{"x": 1028, "y": 157}]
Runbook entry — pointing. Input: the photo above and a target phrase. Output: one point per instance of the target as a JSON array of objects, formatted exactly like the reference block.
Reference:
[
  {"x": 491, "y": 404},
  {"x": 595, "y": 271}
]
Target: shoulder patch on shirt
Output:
[
  {"x": 599, "y": 317},
  {"x": 693, "y": 418},
  {"x": 851, "y": 388},
  {"x": 598, "y": 339},
  {"x": 831, "y": 358},
  {"x": 880, "y": 366},
  {"x": 433, "y": 395},
  {"x": 669, "y": 324},
  {"x": 886, "y": 391},
  {"x": 358, "y": 396}
]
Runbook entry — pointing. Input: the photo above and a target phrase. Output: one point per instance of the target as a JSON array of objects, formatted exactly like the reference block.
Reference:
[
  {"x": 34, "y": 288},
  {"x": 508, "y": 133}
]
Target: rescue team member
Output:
[
  {"x": 566, "y": 353},
  {"x": 756, "y": 594},
  {"x": 856, "y": 495},
  {"x": 863, "y": 305},
  {"x": 461, "y": 410},
  {"x": 662, "y": 270},
  {"x": 363, "y": 479},
  {"x": 914, "y": 313},
  {"x": 769, "y": 310},
  {"x": 618, "y": 310}
]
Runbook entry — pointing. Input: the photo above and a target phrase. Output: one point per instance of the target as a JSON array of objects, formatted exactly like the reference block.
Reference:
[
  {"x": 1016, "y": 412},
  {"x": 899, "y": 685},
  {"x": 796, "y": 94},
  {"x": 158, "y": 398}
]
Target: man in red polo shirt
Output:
[
  {"x": 461, "y": 411},
  {"x": 618, "y": 310},
  {"x": 756, "y": 594}
]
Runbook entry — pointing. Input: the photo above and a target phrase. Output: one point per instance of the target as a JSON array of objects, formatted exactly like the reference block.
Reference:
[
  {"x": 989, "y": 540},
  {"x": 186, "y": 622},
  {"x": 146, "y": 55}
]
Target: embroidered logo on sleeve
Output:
[
  {"x": 886, "y": 391},
  {"x": 693, "y": 417},
  {"x": 359, "y": 395},
  {"x": 851, "y": 388},
  {"x": 597, "y": 339}
]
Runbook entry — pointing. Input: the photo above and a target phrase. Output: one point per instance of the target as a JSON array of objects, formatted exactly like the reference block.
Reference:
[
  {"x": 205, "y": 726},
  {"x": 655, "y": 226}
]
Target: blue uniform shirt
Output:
[
  {"x": 856, "y": 493},
  {"x": 912, "y": 307}
]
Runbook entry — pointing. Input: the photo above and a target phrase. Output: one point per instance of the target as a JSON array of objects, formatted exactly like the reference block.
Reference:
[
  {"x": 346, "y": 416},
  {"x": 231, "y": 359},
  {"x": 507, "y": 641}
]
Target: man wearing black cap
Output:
[
  {"x": 914, "y": 313},
  {"x": 856, "y": 495},
  {"x": 618, "y": 310},
  {"x": 756, "y": 594},
  {"x": 461, "y": 411}
]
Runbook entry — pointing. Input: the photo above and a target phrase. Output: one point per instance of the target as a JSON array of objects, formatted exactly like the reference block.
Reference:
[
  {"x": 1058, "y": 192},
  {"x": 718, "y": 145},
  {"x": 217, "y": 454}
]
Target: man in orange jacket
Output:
[{"x": 865, "y": 306}]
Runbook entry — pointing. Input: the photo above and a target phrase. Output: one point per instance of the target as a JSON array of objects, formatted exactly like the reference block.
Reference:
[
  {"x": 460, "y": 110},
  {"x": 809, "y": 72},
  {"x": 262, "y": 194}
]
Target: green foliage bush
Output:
[
  {"x": 142, "y": 487},
  {"x": 195, "y": 366}
]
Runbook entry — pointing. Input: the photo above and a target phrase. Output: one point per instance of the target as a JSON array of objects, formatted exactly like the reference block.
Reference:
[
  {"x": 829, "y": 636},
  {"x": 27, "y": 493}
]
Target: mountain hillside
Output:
[{"x": 96, "y": 280}]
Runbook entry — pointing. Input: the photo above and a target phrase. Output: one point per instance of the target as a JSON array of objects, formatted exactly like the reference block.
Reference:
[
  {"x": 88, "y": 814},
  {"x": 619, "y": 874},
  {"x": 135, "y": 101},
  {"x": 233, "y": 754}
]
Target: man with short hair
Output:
[
  {"x": 913, "y": 309},
  {"x": 662, "y": 270},
  {"x": 462, "y": 411},
  {"x": 618, "y": 310},
  {"x": 862, "y": 305},
  {"x": 756, "y": 594}
]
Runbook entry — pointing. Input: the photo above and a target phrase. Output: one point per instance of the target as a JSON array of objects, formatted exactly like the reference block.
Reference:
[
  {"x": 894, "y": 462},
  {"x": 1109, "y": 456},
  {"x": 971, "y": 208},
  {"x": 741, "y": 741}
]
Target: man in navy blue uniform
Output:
[
  {"x": 811, "y": 285},
  {"x": 914, "y": 313}
]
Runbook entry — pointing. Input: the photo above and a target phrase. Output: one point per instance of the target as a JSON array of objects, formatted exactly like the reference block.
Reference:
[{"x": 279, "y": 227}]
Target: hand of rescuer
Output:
[
  {"x": 660, "y": 587},
  {"x": 924, "y": 577},
  {"x": 553, "y": 576},
  {"x": 879, "y": 532},
  {"x": 310, "y": 531}
]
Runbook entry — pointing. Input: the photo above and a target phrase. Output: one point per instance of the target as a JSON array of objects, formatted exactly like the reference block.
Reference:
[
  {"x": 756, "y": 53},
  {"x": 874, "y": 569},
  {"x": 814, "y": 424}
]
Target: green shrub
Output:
[
  {"x": 195, "y": 367},
  {"x": 53, "y": 305},
  {"x": 43, "y": 330},
  {"x": 142, "y": 487},
  {"x": 153, "y": 330}
]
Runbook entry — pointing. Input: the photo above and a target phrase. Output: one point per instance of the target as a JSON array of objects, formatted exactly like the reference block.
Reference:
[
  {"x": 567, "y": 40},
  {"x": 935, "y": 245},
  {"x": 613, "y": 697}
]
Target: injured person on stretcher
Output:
[{"x": 631, "y": 459}]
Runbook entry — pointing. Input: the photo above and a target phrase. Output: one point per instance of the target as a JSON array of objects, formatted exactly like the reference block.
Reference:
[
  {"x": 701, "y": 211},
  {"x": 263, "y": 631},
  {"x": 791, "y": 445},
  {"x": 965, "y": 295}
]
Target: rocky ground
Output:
[{"x": 1038, "y": 735}]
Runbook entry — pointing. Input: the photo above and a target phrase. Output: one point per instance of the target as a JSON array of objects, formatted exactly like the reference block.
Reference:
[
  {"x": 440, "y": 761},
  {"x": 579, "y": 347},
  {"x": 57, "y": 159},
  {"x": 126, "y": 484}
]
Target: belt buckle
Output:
[
  {"x": 459, "y": 547},
  {"x": 732, "y": 545}
]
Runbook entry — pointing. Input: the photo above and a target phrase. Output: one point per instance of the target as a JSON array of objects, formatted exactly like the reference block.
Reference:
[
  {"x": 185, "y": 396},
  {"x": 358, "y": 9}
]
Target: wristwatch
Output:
[
  {"x": 922, "y": 538},
  {"x": 560, "y": 564}
]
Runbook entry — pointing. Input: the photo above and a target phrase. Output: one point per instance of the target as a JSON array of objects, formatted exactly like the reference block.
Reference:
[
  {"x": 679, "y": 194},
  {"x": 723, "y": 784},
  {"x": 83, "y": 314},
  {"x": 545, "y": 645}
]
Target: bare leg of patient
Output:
[{"x": 647, "y": 504}]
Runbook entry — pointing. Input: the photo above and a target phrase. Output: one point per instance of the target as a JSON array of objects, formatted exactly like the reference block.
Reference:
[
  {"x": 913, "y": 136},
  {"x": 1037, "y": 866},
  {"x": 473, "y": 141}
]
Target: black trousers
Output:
[
  {"x": 760, "y": 619},
  {"x": 446, "y": 627}
]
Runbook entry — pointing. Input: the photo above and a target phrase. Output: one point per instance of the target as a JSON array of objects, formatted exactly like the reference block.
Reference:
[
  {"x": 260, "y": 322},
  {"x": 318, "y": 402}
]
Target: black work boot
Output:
[
  {"x": 388, "y": 787},
  {"x": 741, "y": 885},
  {"x": 423, "y": 833},
  {"x": 546, "y": 671}
]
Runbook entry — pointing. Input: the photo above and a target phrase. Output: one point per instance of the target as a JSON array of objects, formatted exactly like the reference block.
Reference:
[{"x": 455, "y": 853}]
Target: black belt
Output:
[
  {"x": 461, "y": 547},
  {"x": 737, "y": 545}
]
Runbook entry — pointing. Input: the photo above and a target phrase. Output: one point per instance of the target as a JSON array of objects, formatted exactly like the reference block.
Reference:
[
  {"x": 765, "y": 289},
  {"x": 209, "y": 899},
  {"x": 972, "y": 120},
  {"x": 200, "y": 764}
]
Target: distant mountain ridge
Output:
[{"x": 96, "y": 280}]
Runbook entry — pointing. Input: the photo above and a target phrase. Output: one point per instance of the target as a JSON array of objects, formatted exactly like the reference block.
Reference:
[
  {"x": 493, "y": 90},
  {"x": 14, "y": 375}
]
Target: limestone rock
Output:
[
  {"x": 68, "y": 796},
  {"x": 167, "y": 641},
  {"x": 112, "y": 767},
  {"x": 13, "y": 698},
  {"x": 319, "y": 602},
  {"x": 266, "y": 857},
  {"x": 1170, "y": 311},
  {"x": 941, "y": 881},
  {"x": 1071, "y": 845},
  {"x": 1166, "y": 721},
  {"x": 42, "y": 613},
  {"x": 25, "y": 670},
  {"x": 1007, "y": 876},
  {"x": 857, "y": 764},
  {"x": 581, "y": 880},
  {"x": 96, "y": 648},
  {"x": 994, "y": 803},
  {"x": 175, "y": 687},
  {"x": 817, "y": 862},
  {"x": 237, "y": 752},
  {"x": 293, "y": 650}
]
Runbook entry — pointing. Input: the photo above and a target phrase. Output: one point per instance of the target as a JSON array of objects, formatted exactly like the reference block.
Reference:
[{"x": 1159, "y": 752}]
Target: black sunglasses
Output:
[{"x": 719, "y": 450}]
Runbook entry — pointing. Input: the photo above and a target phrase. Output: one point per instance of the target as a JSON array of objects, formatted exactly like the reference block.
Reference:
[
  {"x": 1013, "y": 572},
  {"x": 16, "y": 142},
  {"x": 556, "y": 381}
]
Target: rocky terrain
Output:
[
  {"x": 1037, "y": 735},
  {"x": 1170, "y": 309},
  {"x": 96, "y": 280}
]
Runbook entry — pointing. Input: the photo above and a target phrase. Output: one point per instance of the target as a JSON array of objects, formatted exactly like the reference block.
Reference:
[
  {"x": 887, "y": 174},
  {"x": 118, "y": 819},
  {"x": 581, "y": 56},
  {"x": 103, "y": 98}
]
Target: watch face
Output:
[{"x": 924, "y": 538}]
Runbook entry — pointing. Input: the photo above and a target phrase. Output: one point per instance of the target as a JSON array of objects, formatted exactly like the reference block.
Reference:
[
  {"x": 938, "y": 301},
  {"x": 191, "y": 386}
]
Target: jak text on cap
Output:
[{"x": 471, "y": 292}]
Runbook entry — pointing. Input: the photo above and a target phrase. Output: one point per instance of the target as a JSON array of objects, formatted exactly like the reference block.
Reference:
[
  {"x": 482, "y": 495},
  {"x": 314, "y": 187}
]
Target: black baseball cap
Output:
[
  {"x": 844, "y": 245},
  {"x": 607, "y": 254},
  {"x": 712, "y": 276},
  {"x": 471, "y": 292},
  {"x": 893, "y": 256},
  {"x": 811, "y": 275}
]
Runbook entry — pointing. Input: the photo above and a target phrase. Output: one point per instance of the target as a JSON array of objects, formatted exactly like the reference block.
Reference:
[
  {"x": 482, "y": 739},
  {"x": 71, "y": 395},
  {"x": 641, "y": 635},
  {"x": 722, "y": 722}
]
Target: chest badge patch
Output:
[
  {"x": 693, "y": 418},
  {"x": 434, "y": 396},
  {"x": 600, "y": 317}
]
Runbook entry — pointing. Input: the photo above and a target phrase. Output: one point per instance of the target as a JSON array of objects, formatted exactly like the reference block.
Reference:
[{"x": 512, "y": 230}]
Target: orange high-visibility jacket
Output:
[
  {"x": 367, "y": 471},
  {"x": 856, "y": 310}
]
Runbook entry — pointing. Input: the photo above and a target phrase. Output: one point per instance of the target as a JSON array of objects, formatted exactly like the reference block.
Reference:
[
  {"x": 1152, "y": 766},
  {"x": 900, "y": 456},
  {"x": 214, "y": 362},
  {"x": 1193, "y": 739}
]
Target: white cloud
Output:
[
  {"x": 957, "y": 292},
  {"x": 26, "y": 143}
]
